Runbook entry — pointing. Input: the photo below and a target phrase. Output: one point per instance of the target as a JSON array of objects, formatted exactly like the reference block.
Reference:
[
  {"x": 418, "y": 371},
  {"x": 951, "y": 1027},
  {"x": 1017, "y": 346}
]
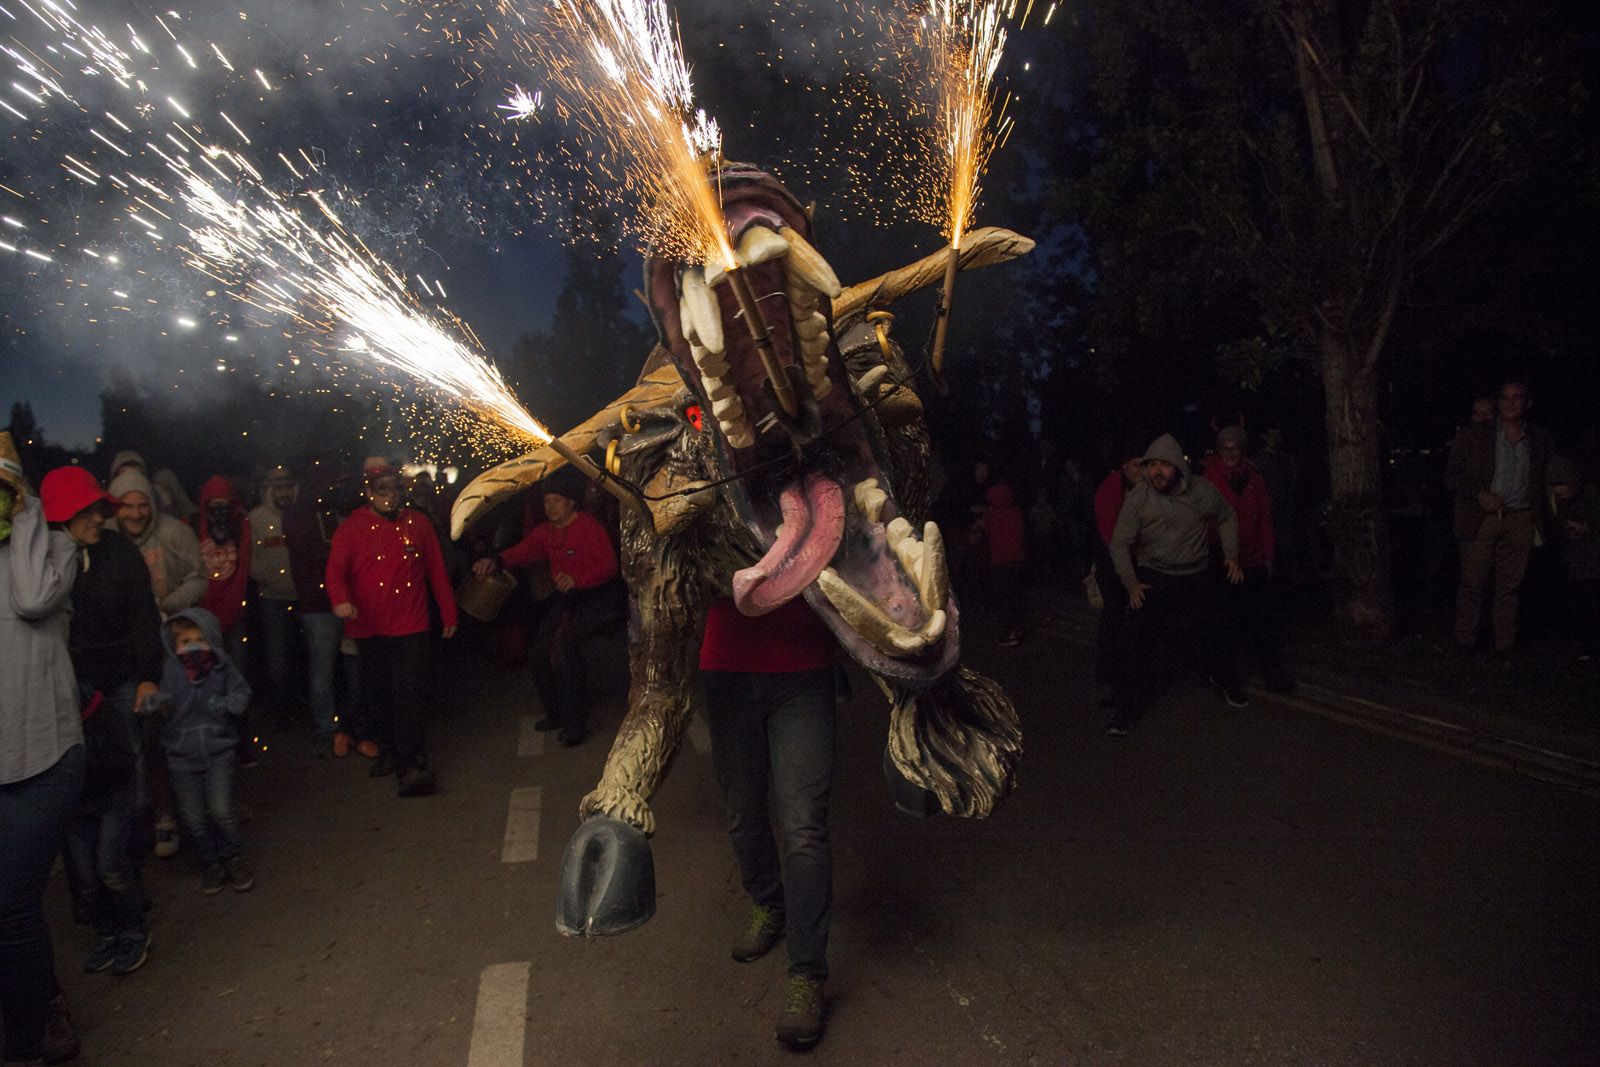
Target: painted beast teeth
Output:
[
  {"x": 716, "y": 388},
  {"x": 711, "y": 364},
  {"x": 738, "y": 434},
  {"x": 912, "y": 556},
  {"x": 802, "y": 298},
  {"x": 728, "y": 409},
  {"x": 898, "y": 530},
  {"x": 934, "y": 585},
  {"x": 807, "y": 263},
  {"x": 869, "y": 620},
  {"x": 699, "y": 312},
  {"x": 811, "y": 326},
  {"x": 814, "y": 347},
  {"x": 759, "y": 244},
  {"x": 870, "y": 499}
]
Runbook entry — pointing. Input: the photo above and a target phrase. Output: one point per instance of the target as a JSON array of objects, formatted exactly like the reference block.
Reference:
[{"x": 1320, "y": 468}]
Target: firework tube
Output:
[
  {"x": 942, "y": 324},
  {"x": 782, "y": 388}
]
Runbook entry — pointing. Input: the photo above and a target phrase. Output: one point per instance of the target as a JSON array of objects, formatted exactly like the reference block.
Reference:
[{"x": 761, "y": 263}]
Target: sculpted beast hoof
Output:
[{"x": 608, "y": 880}]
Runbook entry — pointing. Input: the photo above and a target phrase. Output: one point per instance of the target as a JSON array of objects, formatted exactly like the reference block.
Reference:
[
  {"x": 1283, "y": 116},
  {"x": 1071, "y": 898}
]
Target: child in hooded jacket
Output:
[{"x": 205, "y": 697}]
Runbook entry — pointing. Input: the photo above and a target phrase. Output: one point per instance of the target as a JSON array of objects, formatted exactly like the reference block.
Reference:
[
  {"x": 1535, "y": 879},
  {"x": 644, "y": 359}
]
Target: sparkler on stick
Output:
[
  {"x": 622, "y": 62},
  {"x": 963, "y": 41}
]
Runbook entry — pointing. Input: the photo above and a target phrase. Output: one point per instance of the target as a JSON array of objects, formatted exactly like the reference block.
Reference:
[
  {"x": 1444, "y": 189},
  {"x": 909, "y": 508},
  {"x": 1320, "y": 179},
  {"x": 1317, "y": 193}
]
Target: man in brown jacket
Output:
[{"x": 1496, "y": 475}]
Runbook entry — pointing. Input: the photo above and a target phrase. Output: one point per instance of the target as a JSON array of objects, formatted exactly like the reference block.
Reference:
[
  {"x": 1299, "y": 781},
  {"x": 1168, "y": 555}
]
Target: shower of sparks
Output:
[
  {"x": 522, "y": 104},
  {"x": 963, "y": 41},
  {"x": 621, "y": 69}
]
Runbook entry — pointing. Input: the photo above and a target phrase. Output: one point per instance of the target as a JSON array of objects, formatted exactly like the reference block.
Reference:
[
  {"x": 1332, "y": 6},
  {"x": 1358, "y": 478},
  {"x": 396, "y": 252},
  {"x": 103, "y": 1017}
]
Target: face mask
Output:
[
  {"x": 8, "y": 504},
  {"x": 198, "y": 660},
  {"x": 218, "y": 526}
]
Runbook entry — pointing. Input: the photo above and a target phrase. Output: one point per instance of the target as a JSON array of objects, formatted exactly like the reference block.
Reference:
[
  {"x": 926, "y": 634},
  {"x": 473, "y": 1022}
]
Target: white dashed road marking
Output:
[
  {"x": 500, "y": 1024},
  {"x": 522, "y": 826},
  {"x": 530, "y": 742}
]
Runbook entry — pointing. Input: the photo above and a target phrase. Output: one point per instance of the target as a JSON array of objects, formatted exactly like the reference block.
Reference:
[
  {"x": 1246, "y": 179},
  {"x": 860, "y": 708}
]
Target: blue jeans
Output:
[
  {"x": 323, "y": 630},
  {"x": 277, "y": 638},
  {"x": 205, "y": 805},
  {"x": 33, "y": 814},
  {"x": 107, "y": 890},
  {"x": 777, "y": 729}
]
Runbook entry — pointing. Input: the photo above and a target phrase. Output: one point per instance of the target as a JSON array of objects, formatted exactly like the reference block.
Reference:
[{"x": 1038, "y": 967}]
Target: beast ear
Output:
[{"x": 657, "y": 385}]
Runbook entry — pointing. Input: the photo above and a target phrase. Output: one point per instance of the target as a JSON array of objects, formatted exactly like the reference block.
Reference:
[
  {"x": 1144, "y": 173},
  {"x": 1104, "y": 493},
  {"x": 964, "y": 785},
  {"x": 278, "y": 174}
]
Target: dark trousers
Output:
[
  {"x": 557, "y": 659},
  {"x": 1010, "y": 595},
  {"x": 1190, "y": 604},
  {"x": 33, "y": 815},
  {"x": 1111, "y": 639},
  {"x": 205, "y": 804},
  {"x": 107, "y": 888},
  {"x": 777, "y": 730},
  {"x": 1253, "y": 612},
  {"x": 393, "y": 670}
]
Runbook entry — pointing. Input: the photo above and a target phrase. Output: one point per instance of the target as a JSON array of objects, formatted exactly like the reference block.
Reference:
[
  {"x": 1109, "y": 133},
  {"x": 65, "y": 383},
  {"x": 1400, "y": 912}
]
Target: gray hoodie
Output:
[
  {"x": 170, "y": 549},
  {"x": 38, "y": 690},
  {"x": 202, "y": 713},
  {"x": 1168, "y": 532}
]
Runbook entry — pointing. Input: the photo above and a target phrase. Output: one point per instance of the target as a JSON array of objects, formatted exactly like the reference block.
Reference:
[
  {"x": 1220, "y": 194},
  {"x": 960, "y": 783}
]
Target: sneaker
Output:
[
  {"x": 166, "y": 837},
  {"x": 212, "y": 879},
  {"x": 60, "y": 1042},
  {"x": 132, "y": 950},
  {"x": 382, "y": 765},
  {"x": 1234, "y": 694},
  {"x": 368, "y": 749},
  {"x": 341, "y": 744},
  {"x": 240, "y": 875},
  {"x": 800, "y": 1025},
  {"x": 761, "y": 931},
  {"x": 416, "y": 782},
  {"x": 1117, "y": 728},
  {"x": 1011, "y": 639},
  {"x": 101, "y": 956}
]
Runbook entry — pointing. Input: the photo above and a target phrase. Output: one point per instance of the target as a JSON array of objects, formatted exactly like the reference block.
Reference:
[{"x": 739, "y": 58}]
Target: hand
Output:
[
  {"x": 448, "y": 632},
  {"x": 1136, "y": 596},
  {"x": 564, "y": 582},
  {"x": 1235, "y": 573},
  {"x": 346, "y": 610},
  {"x": 486, "y": 566},
  {"x": 607, "y": 883},
  {"x": 142, "y": 697},
  {"x": 1489, "y": 502}
]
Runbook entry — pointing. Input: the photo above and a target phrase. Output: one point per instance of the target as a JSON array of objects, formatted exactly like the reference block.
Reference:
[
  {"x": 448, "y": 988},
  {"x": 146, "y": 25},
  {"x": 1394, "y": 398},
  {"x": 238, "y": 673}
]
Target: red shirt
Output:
[
  {"x": 1108, "y": 504},
  {"x": 1003, "y": 527},
  {"x": 381, "y": 567},
  {"x": 579, "y": 549},
  {"x": 780, "y": 642},
  {"x": 1254, "y": 508},
  {"x": 227, "y": 567}
]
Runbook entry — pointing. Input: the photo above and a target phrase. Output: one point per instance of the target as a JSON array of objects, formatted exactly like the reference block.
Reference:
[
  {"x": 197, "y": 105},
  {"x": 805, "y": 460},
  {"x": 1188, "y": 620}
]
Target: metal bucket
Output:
[{"x": 483, "y": 597}]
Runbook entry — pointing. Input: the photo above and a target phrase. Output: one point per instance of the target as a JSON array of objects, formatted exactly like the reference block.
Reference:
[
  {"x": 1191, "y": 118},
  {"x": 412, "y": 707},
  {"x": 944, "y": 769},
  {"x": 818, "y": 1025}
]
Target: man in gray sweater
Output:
[{"x": 1162, "y": 552}]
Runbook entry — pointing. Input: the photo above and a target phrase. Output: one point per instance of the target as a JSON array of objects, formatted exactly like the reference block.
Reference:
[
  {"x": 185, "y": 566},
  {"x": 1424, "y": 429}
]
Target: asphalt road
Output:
[{"x": 1221, "y": 887}]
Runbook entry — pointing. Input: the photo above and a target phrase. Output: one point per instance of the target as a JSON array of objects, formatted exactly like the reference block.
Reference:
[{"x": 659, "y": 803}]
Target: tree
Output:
[{"x": 1308, "y": 162}]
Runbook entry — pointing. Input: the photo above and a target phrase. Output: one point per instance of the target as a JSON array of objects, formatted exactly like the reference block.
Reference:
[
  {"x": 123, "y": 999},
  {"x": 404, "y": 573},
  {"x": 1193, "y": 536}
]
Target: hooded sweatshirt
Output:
[
  {"x": 1167, "y": 532},
  {"x": 170, "y": 549},
  {"x": 116, "y": 627},
  {"x": 128, "y": 455},
  {"x": 39, "y": 700},
  {"x": 385, "y": 567},
  {"x": 1253, "y": 506},
  {"x": 226, "y": 563},
  {"x": 170, "y": 495},
  {"x": 205, "y": 697},
  {"x": 270, "y": 564}
]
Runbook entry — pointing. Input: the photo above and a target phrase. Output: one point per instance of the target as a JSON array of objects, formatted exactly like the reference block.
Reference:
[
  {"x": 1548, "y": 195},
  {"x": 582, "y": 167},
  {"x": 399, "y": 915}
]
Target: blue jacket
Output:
[{"x": 202, "y": 717}]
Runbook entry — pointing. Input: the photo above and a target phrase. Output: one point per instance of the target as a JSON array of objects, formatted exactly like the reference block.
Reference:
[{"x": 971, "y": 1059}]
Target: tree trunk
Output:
[{"x": 1358, "y": 524}]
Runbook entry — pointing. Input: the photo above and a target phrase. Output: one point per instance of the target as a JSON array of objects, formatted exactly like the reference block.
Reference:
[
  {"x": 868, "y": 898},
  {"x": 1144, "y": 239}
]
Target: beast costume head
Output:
[{"x": 737, "y": 494}]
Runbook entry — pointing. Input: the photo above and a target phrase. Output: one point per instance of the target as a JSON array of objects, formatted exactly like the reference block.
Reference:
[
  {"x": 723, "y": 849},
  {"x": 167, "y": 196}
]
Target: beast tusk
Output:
[
  {"x": 870, "y": 499},
  {"x": 759, "y": 244},
  {"x": 807, "y": 263},
  {"x": 697, "y": 307},
  {"x": 935, "y": 579}
]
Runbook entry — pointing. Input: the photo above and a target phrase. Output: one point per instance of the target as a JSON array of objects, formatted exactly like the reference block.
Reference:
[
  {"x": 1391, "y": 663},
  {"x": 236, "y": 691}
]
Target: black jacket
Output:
[{"x": 116, "y": 629}]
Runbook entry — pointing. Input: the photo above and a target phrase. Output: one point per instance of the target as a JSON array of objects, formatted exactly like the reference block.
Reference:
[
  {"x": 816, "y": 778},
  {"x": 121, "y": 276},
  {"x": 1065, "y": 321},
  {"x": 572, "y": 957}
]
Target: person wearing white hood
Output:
[
  {"x": 172, "y": 553},
  {"x": 1161, "y": 550}
]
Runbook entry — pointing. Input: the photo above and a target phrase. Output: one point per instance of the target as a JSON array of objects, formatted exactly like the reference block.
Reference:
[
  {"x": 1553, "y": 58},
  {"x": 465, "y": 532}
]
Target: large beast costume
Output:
[{"x": 736, "y": 496}]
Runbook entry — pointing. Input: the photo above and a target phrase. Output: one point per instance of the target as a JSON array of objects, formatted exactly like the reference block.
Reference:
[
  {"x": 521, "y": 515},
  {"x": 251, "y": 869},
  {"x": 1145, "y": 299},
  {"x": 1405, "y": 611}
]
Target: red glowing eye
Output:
[{"x": 692, "y": 413}]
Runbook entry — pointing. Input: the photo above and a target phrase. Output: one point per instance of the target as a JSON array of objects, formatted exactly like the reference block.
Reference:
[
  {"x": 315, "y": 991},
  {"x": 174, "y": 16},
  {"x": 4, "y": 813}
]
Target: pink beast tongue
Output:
[{"x": 813, "y": 526}]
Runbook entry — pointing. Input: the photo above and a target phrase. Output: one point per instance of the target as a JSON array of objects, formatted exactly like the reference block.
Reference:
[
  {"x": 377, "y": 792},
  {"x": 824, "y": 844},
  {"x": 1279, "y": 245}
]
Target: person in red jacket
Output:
[
  {"x": 1253, "y": 603},
  {"x": 225, "y": 557},
  {"x": 1005, "y": 539},
  {"x": 588, "y": 601},
  {"x": 1112, "y": 639},
  {"x": 383, "y": 560},
  {"x": 769, "y": 685}
]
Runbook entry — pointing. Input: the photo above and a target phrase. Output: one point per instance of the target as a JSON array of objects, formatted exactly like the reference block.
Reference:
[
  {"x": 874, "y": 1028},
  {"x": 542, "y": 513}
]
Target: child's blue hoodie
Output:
[{"x": 204, "y": 710}]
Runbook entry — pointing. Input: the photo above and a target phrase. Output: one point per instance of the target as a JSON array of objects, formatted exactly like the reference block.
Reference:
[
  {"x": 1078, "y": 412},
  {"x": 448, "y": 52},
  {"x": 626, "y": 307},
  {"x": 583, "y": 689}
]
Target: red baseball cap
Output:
[{"x": 66, "y": 491}]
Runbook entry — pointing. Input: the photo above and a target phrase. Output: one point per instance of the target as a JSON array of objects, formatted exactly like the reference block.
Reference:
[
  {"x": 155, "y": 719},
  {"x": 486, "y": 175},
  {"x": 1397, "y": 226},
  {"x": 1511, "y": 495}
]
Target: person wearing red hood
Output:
[
  {"x": 225, "y": 556},
  {"x": 383, "y": 560},
  {"x": 1252, "y": 603},
  {"x": 1005, "y": 541}
]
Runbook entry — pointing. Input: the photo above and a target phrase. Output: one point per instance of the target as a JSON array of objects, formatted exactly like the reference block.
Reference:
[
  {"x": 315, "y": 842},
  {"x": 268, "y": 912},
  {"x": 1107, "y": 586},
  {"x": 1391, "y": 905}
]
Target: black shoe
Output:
[
  {"x": 212, "y": 879},
  {"x": 381, "y": 767},
  {"x": 546, "y": 724},
  {"x": 240, "y": 876},
  {"x": 1232, "y": 692},
  {"x": 416, "y": 782},
  {"x": 132, "y": 950},
  {"x": 1011, "y": 639},
  {"x": 60, "y": 1042},
  {"x": 800, "y": 1025},
  {"x": 573, "y": 738},
  {"x": 762, "y": 930},
  {"x": 1118, "y": 728}
]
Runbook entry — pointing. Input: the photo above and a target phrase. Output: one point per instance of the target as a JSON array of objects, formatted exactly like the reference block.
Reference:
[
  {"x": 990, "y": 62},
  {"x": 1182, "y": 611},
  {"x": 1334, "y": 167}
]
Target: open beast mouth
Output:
[{"x": 813, "y": 487}]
